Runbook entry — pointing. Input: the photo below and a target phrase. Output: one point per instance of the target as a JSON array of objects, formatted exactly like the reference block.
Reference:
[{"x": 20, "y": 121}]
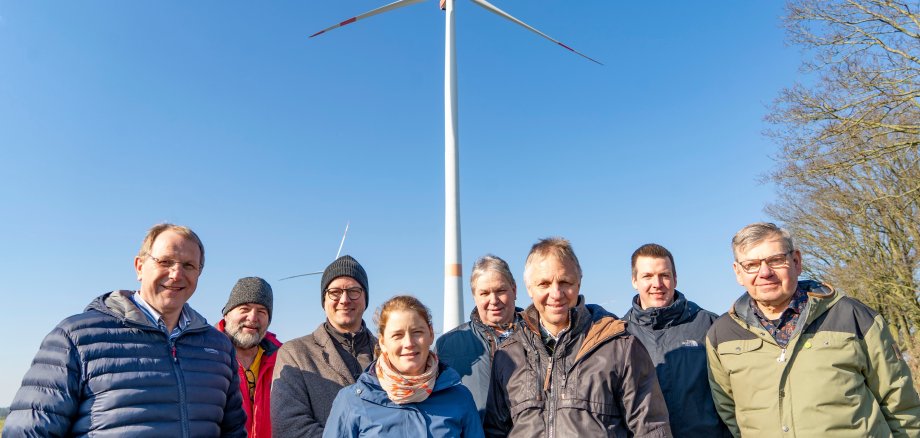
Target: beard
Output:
[{"x": 244, "y": 340}]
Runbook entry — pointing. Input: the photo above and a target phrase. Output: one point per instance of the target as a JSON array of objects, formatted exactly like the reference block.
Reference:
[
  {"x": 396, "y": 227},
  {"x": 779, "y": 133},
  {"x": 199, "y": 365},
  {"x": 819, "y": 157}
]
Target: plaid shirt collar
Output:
[{"x": 782, "y": 328}]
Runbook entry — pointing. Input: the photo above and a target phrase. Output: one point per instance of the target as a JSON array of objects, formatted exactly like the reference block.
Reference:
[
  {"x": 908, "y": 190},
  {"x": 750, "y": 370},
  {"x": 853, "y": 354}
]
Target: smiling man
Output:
[
  {"x": 571, "y": 369},
  {"x": 312, "y": 369},
  {"x": 673, "y": 330},
  {"x": 797, "y": 358},
  {"x": 139, "y": 364},
  {"x": 247, "y": 315},
  {"x": 468, "y": 349}
]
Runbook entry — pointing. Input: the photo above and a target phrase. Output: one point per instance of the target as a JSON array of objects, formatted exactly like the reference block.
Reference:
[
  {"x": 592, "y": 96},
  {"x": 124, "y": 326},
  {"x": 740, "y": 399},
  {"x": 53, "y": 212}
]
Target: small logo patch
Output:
[
  {"x": 211, "y": 350},
  {"x": 690, "y": 343}
]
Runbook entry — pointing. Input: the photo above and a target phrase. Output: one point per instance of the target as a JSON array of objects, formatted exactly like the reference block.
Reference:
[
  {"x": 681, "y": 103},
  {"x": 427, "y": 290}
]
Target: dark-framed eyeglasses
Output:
[
  {"x": 777, "y": 261},
  {"x": 335, "y": 293},
  {"x": 189, "y": 268}
]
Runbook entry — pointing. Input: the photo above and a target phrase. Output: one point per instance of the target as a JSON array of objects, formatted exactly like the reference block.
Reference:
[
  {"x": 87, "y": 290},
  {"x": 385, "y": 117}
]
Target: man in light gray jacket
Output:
[{"x": 312, "y": 369}]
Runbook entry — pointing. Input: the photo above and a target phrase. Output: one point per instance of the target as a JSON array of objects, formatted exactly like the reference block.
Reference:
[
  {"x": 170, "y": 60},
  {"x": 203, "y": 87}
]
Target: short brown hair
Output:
[
  {"x": 181, "y": 230},
  {"x": 653, "y": 250},
  {"x": 551, "y": 246}
]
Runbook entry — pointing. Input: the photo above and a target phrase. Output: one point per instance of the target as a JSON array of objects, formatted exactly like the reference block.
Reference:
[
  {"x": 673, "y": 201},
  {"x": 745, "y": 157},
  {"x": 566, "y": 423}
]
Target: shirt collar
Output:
[
  {"x": 156, "y": 317},
  {"x": 547, "y": 335}
]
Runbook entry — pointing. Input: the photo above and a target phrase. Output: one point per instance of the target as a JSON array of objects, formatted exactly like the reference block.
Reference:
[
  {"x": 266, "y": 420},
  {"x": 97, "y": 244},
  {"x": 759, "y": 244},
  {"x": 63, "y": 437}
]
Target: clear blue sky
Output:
[{"x": 223, "y": 116}]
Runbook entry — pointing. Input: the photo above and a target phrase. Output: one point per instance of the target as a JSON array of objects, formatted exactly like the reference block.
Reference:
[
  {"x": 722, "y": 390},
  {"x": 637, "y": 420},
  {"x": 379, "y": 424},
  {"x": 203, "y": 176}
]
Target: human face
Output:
[
  {"x": 246, "y": 325},
  {"x": 406, "y": 340},
  {"x": 494, "y": 298},
  {"x": 344, "y": 313},
  {"x": 655, "y": 281},
  {"x": 167, "y": 289},
  {"x": 770, "y": 287},
  {"x": 553, "y": 286}
]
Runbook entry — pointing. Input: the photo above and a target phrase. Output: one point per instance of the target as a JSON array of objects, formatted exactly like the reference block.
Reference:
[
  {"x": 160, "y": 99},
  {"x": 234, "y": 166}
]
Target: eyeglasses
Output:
[
  {"x": 251, "y": 381},
  {"x": 774, "y": 262},
  {"x": 336, "y": 293},
  {"x": 189, "y": 268}
]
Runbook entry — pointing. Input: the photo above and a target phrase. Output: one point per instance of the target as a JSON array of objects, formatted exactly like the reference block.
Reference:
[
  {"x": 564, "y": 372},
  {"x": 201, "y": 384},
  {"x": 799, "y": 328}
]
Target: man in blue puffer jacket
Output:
[{"x": 136, "y": 363}]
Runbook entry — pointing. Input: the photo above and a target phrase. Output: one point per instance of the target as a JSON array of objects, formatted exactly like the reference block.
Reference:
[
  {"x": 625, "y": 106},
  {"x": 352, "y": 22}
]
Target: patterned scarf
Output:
[{"x": 407, "y": 389}]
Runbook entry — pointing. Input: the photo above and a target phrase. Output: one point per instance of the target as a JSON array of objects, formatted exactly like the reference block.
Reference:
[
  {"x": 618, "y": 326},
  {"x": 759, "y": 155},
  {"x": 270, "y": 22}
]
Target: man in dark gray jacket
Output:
[
  {"x": 571, "y": 370},
  {"x": 139, "y": 364},
  {"x": 673, "y": 330},
  {"x": 312, "y": 369},
  {"x": 468, "y": 349}
]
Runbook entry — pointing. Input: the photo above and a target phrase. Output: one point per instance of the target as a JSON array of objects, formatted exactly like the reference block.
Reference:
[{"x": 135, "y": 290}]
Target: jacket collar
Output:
[
  {"x": 331, "y": 355},
  {"x": 658, "y": 318},
  {"x": 478, "y": 325},
  {"x": 119, "y": 304},
  {"x": 820, "y": 298}
]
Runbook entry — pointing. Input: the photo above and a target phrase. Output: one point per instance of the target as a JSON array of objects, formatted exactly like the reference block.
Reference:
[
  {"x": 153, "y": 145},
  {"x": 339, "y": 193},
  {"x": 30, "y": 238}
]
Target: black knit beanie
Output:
[
  {"x": 345, "y": 266},
  {"x": 250, "y": 290}
]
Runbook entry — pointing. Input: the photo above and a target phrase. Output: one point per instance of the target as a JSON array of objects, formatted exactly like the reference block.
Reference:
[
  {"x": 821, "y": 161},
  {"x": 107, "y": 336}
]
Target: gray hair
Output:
[
  {"x": 758, "y": 232},
  {"x": 559, "y": 247},
  {"x": 490, "y": 262}
]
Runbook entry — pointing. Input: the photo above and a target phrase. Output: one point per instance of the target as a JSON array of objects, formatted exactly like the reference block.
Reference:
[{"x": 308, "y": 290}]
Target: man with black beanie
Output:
[
  {"x": 247, "y": 314},
  {"x": 312, "y": 369}
]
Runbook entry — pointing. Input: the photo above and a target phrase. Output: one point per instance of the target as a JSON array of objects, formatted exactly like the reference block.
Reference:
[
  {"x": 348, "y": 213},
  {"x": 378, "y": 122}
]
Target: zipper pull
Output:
[
  {"x": 549, "y": 372},
  {"x": 782, "y": 356},
  {"x": 172, "y": 349}
]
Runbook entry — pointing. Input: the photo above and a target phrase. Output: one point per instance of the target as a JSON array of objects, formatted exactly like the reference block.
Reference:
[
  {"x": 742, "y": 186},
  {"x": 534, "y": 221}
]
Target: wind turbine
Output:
[{"x": 453, "y": 300}]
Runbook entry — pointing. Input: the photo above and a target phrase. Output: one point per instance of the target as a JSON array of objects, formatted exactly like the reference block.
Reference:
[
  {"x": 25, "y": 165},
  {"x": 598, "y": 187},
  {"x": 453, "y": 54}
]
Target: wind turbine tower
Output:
[{"x": 453, "y": 283}]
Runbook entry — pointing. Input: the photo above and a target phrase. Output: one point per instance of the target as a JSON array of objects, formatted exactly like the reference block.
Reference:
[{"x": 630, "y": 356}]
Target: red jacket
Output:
[{"x": 258, "y": 411}]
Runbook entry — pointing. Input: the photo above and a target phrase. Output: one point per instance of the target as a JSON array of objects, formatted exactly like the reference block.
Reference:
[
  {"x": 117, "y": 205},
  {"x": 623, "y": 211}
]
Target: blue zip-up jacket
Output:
[
  {"x": 675, "y": 337},
  {"x": 363, "y": 409},
  {"x": 468, "y": 349},
  {"x": 109, "y": 372}
]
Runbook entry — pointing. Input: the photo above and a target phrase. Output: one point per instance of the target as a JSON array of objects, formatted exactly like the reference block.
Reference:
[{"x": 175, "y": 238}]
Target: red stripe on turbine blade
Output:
[
  {"x": 348, "y": 21},
  {"x": 318, "y": 33},
  {"x": 567, "y": 47}
]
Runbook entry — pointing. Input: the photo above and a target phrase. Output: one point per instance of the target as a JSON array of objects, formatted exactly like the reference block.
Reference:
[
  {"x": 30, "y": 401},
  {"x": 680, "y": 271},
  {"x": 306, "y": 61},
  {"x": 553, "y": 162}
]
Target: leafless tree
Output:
[{"x": 849, "y": 152}]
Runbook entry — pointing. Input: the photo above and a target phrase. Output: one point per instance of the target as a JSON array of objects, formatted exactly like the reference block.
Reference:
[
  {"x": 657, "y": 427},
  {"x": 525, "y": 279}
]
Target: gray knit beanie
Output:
[
  {"x": 345, "y": 266},
  {"x": 250, "y": 290}
]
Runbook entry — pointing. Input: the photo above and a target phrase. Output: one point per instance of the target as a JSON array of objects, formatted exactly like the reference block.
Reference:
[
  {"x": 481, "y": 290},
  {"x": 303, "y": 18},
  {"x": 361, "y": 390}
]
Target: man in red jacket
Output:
[{"x": 247, "y": 314}]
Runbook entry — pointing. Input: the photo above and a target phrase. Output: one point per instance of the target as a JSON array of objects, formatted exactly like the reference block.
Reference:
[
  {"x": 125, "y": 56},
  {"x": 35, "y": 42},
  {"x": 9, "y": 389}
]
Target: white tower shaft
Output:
[{"x": 453, "y": 300}]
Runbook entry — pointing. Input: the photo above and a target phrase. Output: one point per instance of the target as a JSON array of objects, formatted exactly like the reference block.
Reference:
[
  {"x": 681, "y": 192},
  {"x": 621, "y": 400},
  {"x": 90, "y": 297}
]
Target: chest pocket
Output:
[{"x": 739, "y": 347}]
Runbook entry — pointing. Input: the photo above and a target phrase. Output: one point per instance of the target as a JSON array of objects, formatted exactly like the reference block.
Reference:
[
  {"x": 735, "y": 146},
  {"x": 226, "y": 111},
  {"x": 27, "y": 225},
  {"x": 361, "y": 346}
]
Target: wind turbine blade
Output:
[
  {"x": 491, "y": 8},
  {"x": 395, "y": 5},
  {"x": 300, "y": 275},
  {"x": 339, "y": 252}
]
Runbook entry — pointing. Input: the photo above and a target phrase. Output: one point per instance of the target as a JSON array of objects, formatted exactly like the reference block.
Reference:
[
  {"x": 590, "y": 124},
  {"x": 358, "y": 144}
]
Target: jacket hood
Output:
[
  {"x": 369, "y": 388},
  {"x": 269, "y": 343},
  {"x": 597, "y": 324},
  {"x": 679, "y": 312},
  {"x": 119, "y": 304},
  {"x": 820, "y": 298},
  {"x": 581, "y": 316}
]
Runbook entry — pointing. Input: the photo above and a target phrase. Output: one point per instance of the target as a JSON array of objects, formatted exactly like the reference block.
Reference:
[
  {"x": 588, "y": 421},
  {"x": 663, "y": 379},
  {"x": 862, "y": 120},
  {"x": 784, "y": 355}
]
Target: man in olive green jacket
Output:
[{"x": 797, "y": 359}]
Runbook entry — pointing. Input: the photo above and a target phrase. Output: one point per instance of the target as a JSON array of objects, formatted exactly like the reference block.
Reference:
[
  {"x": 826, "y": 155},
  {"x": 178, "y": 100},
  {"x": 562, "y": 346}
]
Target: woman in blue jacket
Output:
[{"x": 406, "y": 392}]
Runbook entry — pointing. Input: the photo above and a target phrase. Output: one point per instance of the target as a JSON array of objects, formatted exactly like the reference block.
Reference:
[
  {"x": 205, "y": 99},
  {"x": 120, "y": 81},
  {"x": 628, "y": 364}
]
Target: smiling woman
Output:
[{"x": 406, "y": 380}]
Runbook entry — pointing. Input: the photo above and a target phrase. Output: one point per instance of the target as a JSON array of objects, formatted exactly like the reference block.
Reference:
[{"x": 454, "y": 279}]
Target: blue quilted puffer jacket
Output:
[{"x": 109, "y": 372}]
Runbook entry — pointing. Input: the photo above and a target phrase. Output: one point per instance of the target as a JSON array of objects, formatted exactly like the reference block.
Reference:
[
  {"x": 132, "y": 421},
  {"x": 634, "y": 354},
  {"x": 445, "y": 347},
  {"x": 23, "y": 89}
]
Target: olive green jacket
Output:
[{"x": 840, "y": 375}]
